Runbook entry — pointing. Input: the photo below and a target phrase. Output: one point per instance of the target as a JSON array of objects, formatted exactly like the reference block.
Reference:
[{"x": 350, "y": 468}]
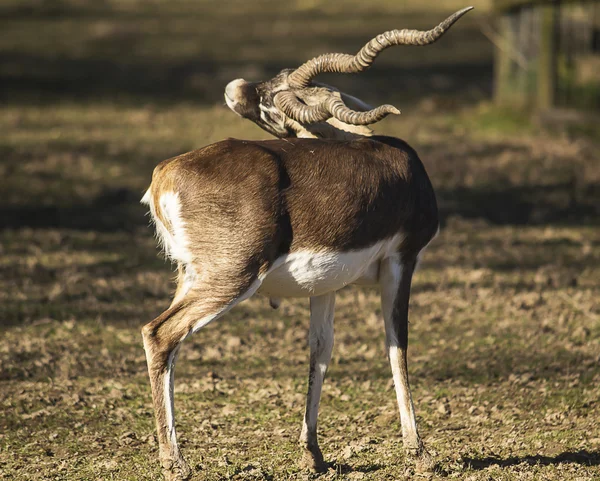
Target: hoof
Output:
[
  {"x": 176, "y": 470},
  {"x": 313, "y": 460},
  {"x": 425, "y": 463},
  {"x": 414, "y": 446}
]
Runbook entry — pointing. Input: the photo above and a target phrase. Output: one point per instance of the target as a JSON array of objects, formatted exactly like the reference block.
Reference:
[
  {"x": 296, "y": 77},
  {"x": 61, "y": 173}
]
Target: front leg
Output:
[{"x": 321, "y": 344}]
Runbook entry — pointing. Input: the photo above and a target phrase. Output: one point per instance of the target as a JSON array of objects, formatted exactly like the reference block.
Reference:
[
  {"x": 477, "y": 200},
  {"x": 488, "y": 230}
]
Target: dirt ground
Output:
[{"x": 505, "y": 321}]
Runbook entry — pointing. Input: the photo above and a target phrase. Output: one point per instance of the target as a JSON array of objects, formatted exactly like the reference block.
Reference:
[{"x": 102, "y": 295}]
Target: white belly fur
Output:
[{"x": 306, "y": 273}]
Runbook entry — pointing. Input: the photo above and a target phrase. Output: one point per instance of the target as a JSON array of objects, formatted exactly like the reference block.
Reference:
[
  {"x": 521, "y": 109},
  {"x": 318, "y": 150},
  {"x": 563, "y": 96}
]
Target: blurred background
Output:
[
  {"x": 95, "y": 94},
  {"x": 504, "y": 112}
]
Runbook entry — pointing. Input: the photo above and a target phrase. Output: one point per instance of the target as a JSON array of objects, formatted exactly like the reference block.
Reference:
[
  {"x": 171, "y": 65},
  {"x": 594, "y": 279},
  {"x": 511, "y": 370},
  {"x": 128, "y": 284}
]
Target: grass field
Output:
[{"x": 505, "y": 318}]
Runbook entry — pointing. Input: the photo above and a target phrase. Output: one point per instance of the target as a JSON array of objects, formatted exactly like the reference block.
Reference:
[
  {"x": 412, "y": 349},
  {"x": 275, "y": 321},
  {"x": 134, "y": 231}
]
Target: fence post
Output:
[{"x": 502, "y": 68}]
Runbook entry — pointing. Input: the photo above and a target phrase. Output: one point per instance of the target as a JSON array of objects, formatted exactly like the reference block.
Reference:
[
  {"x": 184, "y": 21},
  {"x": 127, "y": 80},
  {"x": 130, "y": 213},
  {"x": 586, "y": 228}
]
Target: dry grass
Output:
[
  {"x": 504, "y": 362},
  {"x": 505, "y": 320}
]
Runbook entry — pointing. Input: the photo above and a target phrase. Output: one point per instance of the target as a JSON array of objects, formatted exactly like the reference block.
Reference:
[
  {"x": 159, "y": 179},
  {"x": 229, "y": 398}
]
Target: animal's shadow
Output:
[
  {"x": 343, "y": 468},
  {"x": 583, "y": 457}
]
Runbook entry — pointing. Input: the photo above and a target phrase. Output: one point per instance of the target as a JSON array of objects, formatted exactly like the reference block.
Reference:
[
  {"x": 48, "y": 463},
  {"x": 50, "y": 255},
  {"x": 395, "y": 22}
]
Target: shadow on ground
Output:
[
  {"x": 584, "y": 458},
  {"x": 561, "y": 203},
  {"x": 111, "y": 210}
]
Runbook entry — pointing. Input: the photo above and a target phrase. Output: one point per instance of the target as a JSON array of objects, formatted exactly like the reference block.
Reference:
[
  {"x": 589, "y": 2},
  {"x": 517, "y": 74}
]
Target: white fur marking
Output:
[
  {"x": 307, "y": 273},
  {"x": 321, "y": 343},
  {"x": 168, "y": 393},
  {"x": 173, "y": 240},
  {"x": 402, "y": 395},
  {"x": 276, "y": 116},
  {"x": 176, "y": 241},
  {"x": 173, "y": 237},
  {"x": 147, "y": 198}
]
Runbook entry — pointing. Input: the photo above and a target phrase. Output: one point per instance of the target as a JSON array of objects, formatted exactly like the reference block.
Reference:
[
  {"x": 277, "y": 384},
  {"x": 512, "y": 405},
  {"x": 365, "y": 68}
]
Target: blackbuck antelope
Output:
[{"x": 293, "y": 217}]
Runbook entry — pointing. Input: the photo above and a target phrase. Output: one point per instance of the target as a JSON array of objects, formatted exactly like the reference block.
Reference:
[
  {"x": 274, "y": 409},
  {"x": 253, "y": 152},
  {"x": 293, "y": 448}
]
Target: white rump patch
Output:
[
  {"x": 172, "y": 237},
  {"x": 176, "y": 244}
]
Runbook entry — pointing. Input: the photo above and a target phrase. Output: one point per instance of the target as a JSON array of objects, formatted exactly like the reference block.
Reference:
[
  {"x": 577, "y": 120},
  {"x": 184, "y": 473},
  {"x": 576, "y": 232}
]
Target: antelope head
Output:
[{"x": 292, "y": 105}]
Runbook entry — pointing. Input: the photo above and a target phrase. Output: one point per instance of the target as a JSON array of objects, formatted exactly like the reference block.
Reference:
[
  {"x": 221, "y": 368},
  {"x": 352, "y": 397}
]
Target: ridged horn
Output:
[
  {"x": 340, "y": 111},
  {"x": 344, "y": 63},
  {"x": 289, "y": 104},
  {"x": 332, "y": 106}
]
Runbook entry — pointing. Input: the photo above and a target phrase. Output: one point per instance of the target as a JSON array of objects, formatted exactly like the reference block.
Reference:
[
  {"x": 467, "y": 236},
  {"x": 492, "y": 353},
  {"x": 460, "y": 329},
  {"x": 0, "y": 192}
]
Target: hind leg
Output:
[
  {"x": 395, "y": 278},
  {"x": 162, "y": 340}
]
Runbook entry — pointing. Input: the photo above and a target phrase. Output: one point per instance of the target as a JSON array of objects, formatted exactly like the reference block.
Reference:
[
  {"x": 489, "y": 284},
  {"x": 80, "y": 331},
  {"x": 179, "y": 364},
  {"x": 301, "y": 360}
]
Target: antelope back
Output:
[{"x": 242, "y": 201}]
